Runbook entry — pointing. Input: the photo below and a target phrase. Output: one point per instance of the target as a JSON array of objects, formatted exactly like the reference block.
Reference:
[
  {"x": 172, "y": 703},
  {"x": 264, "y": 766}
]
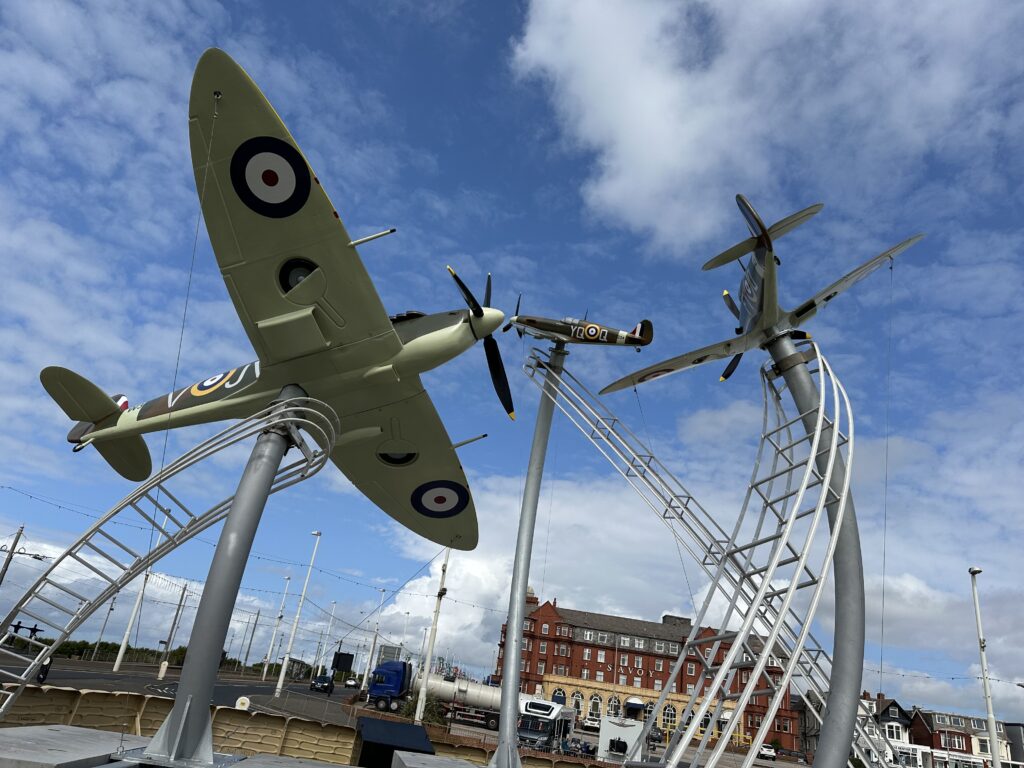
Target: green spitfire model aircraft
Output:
[
  {"x": 573, "y": 331},
  {"x": 314, "y": 320},
  {"x": 761, "y": 319}
]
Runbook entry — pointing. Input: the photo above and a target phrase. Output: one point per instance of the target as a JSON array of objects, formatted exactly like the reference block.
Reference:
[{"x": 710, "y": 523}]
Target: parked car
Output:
[
  {"x": 351, "y": 682},
  {"x": 591, "y": 723},
  {"x": 800, "y": 757},
  {"x": 655, "y": 736},
  {"x": 766, "y": 752},
  {"x": 322, "y": 683}
]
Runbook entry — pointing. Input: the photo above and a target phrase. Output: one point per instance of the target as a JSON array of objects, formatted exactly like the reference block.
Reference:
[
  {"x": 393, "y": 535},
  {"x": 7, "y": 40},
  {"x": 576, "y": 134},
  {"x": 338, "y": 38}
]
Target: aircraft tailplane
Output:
[
  {"x": 765, "y": 236},
  {"x": 645, "y": 330},
  {"x": 88, "y": 405}
]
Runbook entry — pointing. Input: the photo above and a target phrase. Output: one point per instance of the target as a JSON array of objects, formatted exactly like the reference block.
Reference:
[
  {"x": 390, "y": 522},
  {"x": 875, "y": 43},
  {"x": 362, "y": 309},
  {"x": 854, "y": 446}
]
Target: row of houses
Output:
[
  {"x": 601, "y": 664},
  {"x": 926, "y": 738}
]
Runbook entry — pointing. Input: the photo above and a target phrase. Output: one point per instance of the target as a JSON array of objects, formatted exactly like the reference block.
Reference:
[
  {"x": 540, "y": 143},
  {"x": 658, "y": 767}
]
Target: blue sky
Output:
[{"x": 587, "y": 155}]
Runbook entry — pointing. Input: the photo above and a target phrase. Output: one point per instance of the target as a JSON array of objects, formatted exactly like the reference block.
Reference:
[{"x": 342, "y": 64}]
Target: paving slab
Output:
[
  {"x": 61, "y": 746},
  {"x": 419, "y": 760}
]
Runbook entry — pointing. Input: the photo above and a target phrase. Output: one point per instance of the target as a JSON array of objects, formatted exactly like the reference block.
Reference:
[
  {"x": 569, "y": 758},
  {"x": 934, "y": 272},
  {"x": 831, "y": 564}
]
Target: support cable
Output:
[{"x": 885, "y": 482}]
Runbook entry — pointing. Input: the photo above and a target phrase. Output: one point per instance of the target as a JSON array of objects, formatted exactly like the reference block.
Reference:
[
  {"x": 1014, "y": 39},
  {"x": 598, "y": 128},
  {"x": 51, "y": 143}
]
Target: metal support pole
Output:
[
  {"x": 295, "y": 623},
  {"x": 506, "y": 754},
  {"x": 103, "y": 629},
  {"x": 10, "y": 553},
  {"x": 373, "y": 645},
  {"x": 421, "y": 697},
  {"x": 174, "y": 623},
  {"x": 330, "y": 628},
  {"x": 993, "y": 736},
  {"x": 248, "y": 647},
  {"x": 185, "y": 738},
  {"x": 131, "y": 623},
  {"x": 277, "y": 626},
  {"x": 840, "y": 715}
]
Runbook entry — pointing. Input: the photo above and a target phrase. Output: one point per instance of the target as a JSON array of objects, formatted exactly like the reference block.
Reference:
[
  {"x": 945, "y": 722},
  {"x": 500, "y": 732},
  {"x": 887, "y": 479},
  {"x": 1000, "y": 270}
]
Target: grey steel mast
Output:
[
  {"x": 840, "y": 716},
  {"x": 185, "y": 738},
  {"x": 990, "y": 718},
  {"x": 506, "y": 754}
]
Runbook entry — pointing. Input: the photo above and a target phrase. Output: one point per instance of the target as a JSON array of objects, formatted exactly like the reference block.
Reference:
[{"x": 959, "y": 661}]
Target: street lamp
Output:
[
  {"x": 993, "y": 738},
  {"x": 298, "y": 612},
  {"x": 373, "y": 645}
]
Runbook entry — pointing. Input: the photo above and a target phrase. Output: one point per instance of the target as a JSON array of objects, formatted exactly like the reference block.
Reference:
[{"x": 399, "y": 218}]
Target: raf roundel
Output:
[
  {"x": 591, "y": 332},
  {"x": 440, "y": 498},
  {"x": 654, "y": 374},
  {"x": 270, "y": 177}
]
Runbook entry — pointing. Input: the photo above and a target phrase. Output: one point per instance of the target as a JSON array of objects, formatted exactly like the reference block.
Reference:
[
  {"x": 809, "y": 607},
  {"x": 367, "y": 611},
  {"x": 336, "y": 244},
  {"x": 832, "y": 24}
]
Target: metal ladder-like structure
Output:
[
  {"x": 105, "y": 559},
  {"x": 767, "y": 573}
]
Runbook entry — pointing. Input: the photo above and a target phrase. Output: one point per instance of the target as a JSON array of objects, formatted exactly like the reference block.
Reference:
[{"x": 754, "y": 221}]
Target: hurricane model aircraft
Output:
[
  {"x": 760, "y": 318},
  {"x": 573, "y": 331},
  {"x": 314, "y": 320}
]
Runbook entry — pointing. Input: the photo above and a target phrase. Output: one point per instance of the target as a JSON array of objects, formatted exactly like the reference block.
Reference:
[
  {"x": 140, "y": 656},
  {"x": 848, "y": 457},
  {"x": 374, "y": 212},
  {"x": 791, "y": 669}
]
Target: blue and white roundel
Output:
[{"x": 440, "y": 498}]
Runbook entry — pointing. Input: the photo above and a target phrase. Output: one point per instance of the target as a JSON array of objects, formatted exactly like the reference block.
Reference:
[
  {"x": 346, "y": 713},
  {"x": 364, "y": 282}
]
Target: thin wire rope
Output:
[
  {"x": 679, "y": 551},
  {"x": 885, "y": 481},
  {"x": 551, "y": 503},
  {"x": 181, "y": 339}
]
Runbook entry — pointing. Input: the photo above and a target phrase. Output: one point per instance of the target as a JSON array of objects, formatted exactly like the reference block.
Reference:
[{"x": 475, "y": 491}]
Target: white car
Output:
[
  {"x": 766, "y": 752},
  {"x": 591, "y": 724}
]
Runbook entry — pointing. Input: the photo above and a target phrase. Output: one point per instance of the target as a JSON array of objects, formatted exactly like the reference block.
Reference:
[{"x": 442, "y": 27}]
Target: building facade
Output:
[{"x": 602, "y": 662}]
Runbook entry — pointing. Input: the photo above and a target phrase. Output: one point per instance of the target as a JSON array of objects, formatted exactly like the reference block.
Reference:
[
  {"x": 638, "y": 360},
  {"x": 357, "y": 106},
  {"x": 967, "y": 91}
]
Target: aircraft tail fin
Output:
[
  {"x": 762, "y": 235},
  {"x": 645, "y": 330},
  {"x": 89, "y": 406}
]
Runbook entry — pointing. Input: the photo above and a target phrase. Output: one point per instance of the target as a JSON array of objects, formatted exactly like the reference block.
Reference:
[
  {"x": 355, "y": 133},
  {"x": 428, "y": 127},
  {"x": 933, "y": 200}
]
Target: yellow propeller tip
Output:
[
  {"x": 449, "y": 268},
  {"x": 721, "y": 378},
  {"x": 725, "y": 293},
  {"x": 512, "y": 415}
]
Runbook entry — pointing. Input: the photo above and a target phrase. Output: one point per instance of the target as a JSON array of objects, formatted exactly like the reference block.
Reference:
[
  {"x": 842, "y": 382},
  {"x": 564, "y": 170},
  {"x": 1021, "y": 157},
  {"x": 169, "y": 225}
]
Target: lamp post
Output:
[
  {"x": 993, "y": 738},
  {"x": 373, "y": 645},
  {"x": 277, "y": 626},
  {"x": 295, "y": 623}
]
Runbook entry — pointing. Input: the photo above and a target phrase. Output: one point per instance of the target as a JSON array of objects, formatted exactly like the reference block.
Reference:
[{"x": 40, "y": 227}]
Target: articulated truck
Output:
[{"x": 393, "y": 683}]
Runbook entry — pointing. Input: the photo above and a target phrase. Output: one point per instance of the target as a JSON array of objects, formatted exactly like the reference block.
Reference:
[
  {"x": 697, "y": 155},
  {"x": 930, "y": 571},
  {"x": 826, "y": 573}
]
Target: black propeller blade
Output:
[
  {"x": 498, "y": 376},
  {"x": 474, "y": 305},
  {"x": 494, "y": 363},
  {"x": 731, "y": 367},
  {"x": 508, "y": 325}
]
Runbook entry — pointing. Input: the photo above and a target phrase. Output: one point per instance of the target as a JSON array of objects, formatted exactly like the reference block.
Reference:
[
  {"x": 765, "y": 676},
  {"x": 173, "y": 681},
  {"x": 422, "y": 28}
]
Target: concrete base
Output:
[
  {"x": 61, "y": 746},
  {"x": 65, "y": 746},
  {"x": 418, "y": 760}
]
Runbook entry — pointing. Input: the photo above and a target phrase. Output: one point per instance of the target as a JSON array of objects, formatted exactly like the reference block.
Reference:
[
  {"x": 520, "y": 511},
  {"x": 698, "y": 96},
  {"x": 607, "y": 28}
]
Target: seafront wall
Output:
[{"x": 236, "y": 731}]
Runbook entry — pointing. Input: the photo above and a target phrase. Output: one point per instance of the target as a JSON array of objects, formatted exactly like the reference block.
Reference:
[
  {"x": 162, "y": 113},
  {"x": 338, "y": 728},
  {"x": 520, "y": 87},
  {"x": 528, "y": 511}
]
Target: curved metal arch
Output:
[{"x": 101, "y": 550}]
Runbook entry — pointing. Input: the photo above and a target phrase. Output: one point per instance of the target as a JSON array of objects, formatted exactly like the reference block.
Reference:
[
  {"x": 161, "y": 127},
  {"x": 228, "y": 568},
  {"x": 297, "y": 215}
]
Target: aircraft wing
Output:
[
  {"x": 409, "y": 468},
  {"x": 297, "y": 284},
  {"x": 810, "y": 307},
  {"x": 706, "y": 354}
]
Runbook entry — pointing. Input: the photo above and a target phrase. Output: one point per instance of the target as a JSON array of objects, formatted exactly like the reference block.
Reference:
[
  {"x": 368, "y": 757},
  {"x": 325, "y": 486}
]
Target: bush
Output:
[{"x": 433, "y": 712}]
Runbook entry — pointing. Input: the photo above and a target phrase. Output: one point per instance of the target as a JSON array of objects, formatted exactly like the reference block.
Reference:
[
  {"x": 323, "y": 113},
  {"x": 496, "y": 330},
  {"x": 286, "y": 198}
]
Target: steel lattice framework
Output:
[{"x": 767, "y": 573}]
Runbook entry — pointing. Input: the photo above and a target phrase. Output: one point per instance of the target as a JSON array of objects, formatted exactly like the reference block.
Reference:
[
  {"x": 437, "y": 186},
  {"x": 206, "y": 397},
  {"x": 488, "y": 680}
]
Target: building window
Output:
[
  {"x": 585, "y": 673},
  {"x": 600, "y": 656},
  {"x": 586, "y": 654},
  {"x": 657, "y": 685},
  {"x": 624, "y": 641},
  {"x": 638, "y": 662},
  {"x": 951, "y": 741},
  {"x": 659, "y": 665},
  {"x": 595, "y": 706},
  {"x": 622, "y": 679},
  {"x": 540, "y": 667},
  {"x": 602, "y": 637},
  {"x": 577, "y": 701},
  {"x": 558, "y": 692},
  {"x": 957, "y": 720},
  {"x": 668, "y": 718},
  {"x": 691, "y": 651},
  {"x": 527, "y": 625},
  {"x": 744, "y": 675},
  {"x": 977, "y": 724},
  {"x": 613, "y": 706},
  {"x": 659, "y": 646},
  {"x": 691, "y": 668},
  {"x": 673, "y": 688},
  {"x": 648, "y": 708},
  {"x": 588, "y": 634},
  {"x": 689, "y": 689},
  {"x": 983, "y": 745},
  {"x": 524, "y": 666},
  {"x": 599, "y": 675},
  {"x": 564, "y": 631},
  {"x": 892, "y": 731},
  {"x": 637, "y": 681},
  {"x": 623, "y": 660},
  {"x": 639, "y": 643},
  {"x": 786, "y": 725},
  {"x": 561, "y": 669},
  {"x": 941, "y": 720},
  {"x": 544, "y": 629},
  {"x": 894, "y": 712},
  {"x": 563, "y": 650},
  {"x": 707, "y": 653},
  {"x": 999, "y": 727},
  {"x": 673, "y": 647},
  {"x": 543, "y": 646}
]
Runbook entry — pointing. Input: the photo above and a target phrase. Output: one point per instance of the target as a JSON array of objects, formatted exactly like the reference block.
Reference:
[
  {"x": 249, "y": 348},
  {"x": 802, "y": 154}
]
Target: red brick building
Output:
[{"x": 600, "y": 661}]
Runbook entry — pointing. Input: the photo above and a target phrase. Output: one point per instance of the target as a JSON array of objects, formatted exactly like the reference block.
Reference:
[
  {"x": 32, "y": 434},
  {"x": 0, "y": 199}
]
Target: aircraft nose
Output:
[{"x": 489, "y": 323}]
